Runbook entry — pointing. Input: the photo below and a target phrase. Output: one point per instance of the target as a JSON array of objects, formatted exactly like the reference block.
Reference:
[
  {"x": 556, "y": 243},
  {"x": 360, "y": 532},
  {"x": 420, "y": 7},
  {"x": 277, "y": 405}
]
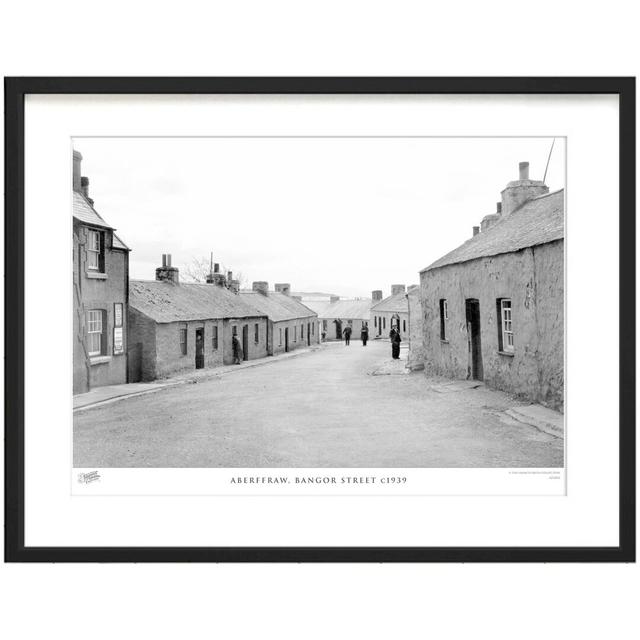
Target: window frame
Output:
[
  {"x": 256, "y": 332},
  {"x": 506, "y": 341},
  {"x": 183, "y": 332},
  {"x": 98, "y": 253},
  {"x": 100, "y": 333},
  {"x": 214, "y": 338}
]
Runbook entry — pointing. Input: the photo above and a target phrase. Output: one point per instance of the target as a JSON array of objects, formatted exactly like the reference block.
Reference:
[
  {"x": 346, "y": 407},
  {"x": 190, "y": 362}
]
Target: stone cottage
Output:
[
  {"x": 100, "y": 293},
  {"x": 291, "y": 324},
  {"x": 392, "y": 311},
  {"x": 176, "y": 327},
  {"x": 494, "y": 307},
  {"x": 338, "y": 314}
]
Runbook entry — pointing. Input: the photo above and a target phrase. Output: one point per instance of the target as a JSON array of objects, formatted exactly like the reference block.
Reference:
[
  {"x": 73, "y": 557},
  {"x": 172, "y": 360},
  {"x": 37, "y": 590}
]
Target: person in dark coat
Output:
[
  {"x": 237, "y": 350},
  {"x": 364, "y": 335},
  {"x": 394, "y": 336},
  {"x": 347, "y": 335}
]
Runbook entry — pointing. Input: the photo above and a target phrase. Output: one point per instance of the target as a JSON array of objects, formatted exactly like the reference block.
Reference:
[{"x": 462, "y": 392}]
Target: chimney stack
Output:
[
  {"x": 234, "y": 285},
  {"x": 84, "y": 188},
  {"x": 283, "y": 287},
  {"x": 517, "y": 192},
  {"x": 333, "y": 299},
  {"x": 397, "y": 288},
  {"x": 77, "y": 171},
  {"x": 215, "y": 277},
  {"x": 261, "y": 287},
  {"x": 476, "y": 231},
  {"x": 376, "y": 295},
  {"x": 167, "y": 273}
]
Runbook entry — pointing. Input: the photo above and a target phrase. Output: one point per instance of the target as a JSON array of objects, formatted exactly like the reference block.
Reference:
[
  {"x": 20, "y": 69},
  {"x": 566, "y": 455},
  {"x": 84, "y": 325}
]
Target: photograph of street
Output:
[{"x": 318, "y": 302}]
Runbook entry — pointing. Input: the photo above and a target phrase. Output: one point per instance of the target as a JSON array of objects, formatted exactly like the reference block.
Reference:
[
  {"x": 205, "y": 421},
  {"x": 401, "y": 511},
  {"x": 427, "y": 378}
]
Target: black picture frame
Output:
[{"x": 15, "y": 91}]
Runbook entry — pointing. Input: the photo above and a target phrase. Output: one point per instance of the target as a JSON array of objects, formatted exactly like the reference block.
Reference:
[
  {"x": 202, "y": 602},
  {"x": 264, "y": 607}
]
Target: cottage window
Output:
[
  {"x": 384, "y": 322},
  {"x": 301, "y": 332},
  {"x": 444, "y": 316},
  {"x": 375, "y": 321},
  {"x": 505, "y": 336},
  {"x": 183, "y": 340},
  {"x": 95, "y": 245},
  {"x": 95, "y": 332},
  {"x": 280, "y": 334},
  {"x": 214, "y": 338},
  {"x": 256, "y": 332},
  {"x": 313, "y": 328},
  {"x": 404, "y": 326},
  {"x": 295, "y": 334}
]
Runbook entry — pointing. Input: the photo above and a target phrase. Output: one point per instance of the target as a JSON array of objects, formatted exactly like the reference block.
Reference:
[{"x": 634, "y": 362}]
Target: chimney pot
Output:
[
  {"x": 524, "y": 170},
  {"x": 216, "y": 267},
  {"x": 498, "y": 207},
  {"x": 166, "y": 272},
  {"x": 476, "y": 231},
  {"x": 376, "y": 295}
]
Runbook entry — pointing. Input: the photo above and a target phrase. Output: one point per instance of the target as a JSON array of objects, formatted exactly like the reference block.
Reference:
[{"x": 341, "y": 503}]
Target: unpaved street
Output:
[{"x": 318, "y": 409}]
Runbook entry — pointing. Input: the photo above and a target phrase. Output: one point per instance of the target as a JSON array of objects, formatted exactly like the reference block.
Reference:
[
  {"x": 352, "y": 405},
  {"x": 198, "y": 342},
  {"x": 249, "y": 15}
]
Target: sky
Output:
[{"x": 337, "y": 215}]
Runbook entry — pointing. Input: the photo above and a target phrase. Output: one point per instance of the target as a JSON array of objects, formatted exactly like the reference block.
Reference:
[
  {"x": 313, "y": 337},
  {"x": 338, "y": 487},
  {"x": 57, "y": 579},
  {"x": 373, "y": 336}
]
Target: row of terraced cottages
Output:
[{"x": 134, "y": 330}]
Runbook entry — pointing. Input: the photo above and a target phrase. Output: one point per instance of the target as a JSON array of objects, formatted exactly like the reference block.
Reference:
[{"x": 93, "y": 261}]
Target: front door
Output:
[
  {"x": 472, "y": 307},
  {"x": 286, "y": 339},
  {"x": 338, "y": 329},
  {"x": 200, "y": 348},
  {"x": 245, "y": 342},
  {"x": 308, "y": 334}
]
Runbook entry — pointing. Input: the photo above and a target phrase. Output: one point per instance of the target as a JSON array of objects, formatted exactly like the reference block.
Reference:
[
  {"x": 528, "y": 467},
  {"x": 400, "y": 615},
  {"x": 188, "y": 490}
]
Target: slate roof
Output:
[
  {"x": 277, "y": 306},
  {"x": 85, "y": 213},
  {"x": 537, "y": 221},
  {"x": 168, "y": 302},
  {"x": 397, "y": 303},
  {"x": 347, "y": 309}
]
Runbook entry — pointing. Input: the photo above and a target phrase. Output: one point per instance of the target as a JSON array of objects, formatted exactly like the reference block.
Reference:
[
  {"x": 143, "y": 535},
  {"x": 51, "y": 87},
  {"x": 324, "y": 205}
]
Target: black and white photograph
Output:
[{"x": 318, "y": 302}]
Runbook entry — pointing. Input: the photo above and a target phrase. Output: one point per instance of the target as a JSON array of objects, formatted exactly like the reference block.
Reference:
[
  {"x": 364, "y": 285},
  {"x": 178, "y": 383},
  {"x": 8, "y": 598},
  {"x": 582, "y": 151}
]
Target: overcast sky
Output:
[{"x": 339, "y": 215}]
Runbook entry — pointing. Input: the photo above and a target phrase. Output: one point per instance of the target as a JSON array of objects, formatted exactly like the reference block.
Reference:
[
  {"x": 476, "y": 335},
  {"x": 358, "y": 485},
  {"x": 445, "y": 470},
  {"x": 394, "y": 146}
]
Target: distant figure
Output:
[
  {"x": 237, "y": 350},
  {"x": 347, "y": 336},
  {"x": 394, "y": 336},
  {"x": 364, "y": 335},
  {"x": 324, "y": 335}
]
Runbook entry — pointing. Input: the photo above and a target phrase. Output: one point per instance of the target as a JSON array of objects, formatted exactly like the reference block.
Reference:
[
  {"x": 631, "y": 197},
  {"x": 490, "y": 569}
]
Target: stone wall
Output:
[
  {"x": 415, "y": 359},
  {"x": 534, "y": 281}
]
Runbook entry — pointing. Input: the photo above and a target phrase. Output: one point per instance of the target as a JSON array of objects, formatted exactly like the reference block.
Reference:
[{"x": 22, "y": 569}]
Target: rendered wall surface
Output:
[
  {"x": 534, "y": 281},
  {"x": 98, "y": 292}
]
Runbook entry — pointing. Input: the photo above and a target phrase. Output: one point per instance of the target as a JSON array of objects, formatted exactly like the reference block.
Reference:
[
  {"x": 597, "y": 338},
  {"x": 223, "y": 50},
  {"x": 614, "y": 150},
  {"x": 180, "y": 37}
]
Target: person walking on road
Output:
[
  {"x": 237, "y": 349},
  {"x": 394, "y": 336},
  {"x": 347, "y": 336},
  {"x": 364, "y": 335}
]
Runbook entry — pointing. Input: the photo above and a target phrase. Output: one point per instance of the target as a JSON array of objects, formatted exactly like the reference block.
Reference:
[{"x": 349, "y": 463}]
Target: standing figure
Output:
[
  {"x": 394, "y": 336},
  {"x": 364, "y": 334},
  {"x": 237, "y": 349},
  {"x": 347, "y": 336}
]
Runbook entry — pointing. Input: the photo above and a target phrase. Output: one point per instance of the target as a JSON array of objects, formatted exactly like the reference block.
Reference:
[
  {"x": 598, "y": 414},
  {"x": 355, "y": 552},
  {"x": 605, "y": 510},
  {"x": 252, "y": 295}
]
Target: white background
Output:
[
  {"x": 54, "y": 517},
  {"x": 370, "y": 38}
]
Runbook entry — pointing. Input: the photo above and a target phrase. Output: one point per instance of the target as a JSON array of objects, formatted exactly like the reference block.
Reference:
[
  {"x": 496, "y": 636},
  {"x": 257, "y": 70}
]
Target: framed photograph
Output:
[{"x": 320, "y": 319}]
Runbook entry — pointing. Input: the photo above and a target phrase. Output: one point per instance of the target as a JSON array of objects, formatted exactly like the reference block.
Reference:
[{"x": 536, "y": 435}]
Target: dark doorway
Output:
[
  {"x": 245, "y": 342},
  {"x": 200, "y": 348},
  {"x": 308, "y": 334},
  {"x": 338, "y": 329},
  {"x": 286, "y": 339},
  {"x": 472, "y": 307}
]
